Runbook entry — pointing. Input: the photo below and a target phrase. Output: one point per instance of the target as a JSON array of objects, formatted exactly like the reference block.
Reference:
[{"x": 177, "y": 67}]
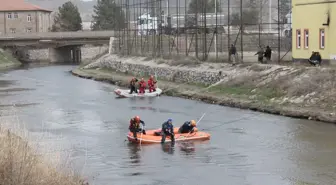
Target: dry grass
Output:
[{"x": 21, "y": 164}]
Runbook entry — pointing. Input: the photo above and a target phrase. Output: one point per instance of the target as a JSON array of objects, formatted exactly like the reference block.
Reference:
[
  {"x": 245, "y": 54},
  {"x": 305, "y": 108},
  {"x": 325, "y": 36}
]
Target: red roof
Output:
[{"x": 19, "y": 5}]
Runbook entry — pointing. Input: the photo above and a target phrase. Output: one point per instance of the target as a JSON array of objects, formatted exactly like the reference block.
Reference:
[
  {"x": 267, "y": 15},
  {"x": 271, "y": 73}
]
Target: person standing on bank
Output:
[
  {"x": 233, "y": 54},
  {"x": 260, "y": 54},
  {"x": 268, "y": 54}
]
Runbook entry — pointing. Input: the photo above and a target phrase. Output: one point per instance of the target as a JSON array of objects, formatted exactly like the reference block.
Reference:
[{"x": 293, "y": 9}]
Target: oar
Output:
[
  {"x": 142, "y": 127},
  {"x": 201, "y": 118}
]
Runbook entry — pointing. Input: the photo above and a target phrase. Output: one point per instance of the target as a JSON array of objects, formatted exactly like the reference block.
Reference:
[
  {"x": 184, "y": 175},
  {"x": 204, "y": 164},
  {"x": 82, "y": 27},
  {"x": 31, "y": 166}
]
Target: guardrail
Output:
[{"x": 58, "y": 35}]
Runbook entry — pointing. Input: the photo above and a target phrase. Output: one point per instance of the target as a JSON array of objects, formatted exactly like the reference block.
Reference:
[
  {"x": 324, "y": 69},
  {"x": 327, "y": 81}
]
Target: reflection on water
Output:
[
  {"x": 15, "y": 89},
  {"x": 134, "y": 154},
  {"x": 187, "y": 148},
  {"x": 168, "y": 148},
  {"x": 245, "y": 147},
  {"x": 6, "y": 83},
  {"x": 19, "y": 104}
]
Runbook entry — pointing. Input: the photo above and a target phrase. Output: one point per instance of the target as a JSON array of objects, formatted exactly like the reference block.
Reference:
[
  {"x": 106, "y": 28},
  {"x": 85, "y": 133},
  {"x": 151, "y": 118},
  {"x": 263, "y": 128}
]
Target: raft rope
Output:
[{"x": 232, "y": 121}]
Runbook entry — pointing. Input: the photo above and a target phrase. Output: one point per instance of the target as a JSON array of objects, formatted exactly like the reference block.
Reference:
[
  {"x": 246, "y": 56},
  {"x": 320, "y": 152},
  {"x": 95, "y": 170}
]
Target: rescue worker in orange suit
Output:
[
  {"x": 133, "y": 85},
  {"x": 142, "y": 86},
  {"x": 151, "y": 84},
  {"x": 188, "y": 127},
  {"x": 134, "y": 126}
]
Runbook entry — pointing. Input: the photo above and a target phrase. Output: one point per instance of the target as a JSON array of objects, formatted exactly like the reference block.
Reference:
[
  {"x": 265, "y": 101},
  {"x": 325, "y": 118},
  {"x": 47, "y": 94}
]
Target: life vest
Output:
[
  {"x": 133, "y": 124},
  {"x": 142, "y": 84}
]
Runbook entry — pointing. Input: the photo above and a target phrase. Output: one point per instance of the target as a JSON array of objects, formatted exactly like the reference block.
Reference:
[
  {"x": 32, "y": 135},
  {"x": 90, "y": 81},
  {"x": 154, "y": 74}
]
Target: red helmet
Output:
[{"x": 137, "y": 119}]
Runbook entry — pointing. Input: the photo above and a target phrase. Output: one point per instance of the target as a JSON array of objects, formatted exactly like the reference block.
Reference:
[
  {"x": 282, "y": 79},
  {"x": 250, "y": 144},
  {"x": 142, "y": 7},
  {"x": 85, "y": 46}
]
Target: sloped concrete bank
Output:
[
  {"x": 301, "y": 92},
  {"x": 7, "y": 61}
]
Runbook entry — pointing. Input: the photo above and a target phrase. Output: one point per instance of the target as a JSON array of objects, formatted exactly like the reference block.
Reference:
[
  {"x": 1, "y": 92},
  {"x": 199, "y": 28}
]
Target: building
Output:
[
  {"x": 17, "y": 16},
  {"x": 313, "y": 29},
  {"x": 86, "y": 26}
]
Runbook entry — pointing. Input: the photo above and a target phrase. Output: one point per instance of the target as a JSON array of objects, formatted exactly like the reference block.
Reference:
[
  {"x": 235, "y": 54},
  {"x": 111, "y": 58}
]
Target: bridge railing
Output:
[{"x": 58, "y": 35}]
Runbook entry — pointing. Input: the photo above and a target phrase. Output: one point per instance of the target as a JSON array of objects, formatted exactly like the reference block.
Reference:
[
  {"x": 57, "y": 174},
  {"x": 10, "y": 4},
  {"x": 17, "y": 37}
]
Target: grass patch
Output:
[
  {"x": 264, "y": 94},
  {"x": 231, "y": 90},
  {"x": 6, "y": 57},
  {"x": 20, "y": 164}
]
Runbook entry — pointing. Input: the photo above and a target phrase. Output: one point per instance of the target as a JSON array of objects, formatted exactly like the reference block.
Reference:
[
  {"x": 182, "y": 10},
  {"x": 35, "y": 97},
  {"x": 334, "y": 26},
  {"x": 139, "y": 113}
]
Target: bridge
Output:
[{"x": 63, "y": 46}]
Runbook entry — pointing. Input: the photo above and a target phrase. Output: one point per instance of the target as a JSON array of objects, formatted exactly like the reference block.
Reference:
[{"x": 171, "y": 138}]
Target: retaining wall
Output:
[{"x": 175, "y": 74}]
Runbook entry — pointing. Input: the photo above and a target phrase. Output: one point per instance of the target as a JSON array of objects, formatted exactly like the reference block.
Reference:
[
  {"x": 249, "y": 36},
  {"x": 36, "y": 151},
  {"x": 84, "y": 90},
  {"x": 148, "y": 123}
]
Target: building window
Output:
[
  {"x": 29, "y": 18},
  {"x": 322, "y": 38},
  {"x": 28, "y": 30},
  {"x": 9, "y": 15},
  {"x": 306, "y": 38},
  {"x": 12, "y": 30},
  {"x": 16, "y": 15},
  {"x": 298, "y": 39}
]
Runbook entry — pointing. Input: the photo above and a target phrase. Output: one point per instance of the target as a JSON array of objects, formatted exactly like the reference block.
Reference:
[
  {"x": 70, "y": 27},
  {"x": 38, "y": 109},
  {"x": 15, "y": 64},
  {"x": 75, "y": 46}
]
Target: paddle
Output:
[
  {"x": 142, "y": 128},
  {"x": 201, "y": 118},
  {"x": 198, "y": 121}
]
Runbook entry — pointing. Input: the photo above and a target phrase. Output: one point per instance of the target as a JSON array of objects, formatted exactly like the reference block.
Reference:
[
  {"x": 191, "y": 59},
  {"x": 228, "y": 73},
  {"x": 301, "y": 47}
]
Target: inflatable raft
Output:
[
  {"x": 123, "y": 93},
  {"x": 152, "y": 138}
]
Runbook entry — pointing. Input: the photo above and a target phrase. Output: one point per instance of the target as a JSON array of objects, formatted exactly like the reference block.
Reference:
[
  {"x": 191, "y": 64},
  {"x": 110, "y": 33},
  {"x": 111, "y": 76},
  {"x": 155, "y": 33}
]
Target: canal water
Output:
[{"x": 83, "y": 119}]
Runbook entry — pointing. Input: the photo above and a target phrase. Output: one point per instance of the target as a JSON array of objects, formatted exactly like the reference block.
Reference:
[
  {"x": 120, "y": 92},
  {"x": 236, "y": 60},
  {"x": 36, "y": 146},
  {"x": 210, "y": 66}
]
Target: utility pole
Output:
[
  {"x": 241, "y": 30},
  {"x": 270, "y": 14},
  {"x": 228, "y": 28},
  {"x": 216, "y": 30},
  {"x": 279, "y": 40}
]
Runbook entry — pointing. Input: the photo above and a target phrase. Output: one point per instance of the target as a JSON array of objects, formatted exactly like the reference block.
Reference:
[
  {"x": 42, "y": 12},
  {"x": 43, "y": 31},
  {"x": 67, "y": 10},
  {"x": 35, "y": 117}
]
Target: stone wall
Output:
[
  {"x": 171, "y": 73},
  {"x": 38, "y": 54},
  {"x": 88, "y": 52}
]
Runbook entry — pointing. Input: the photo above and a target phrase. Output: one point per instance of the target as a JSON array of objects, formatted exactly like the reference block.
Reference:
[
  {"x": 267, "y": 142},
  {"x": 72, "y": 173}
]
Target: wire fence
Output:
[{"x": 205, "y": 29}]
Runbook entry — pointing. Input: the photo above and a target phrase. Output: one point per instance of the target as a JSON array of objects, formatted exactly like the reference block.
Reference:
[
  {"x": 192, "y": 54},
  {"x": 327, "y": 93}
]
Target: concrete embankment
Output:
[
  {"x": 7, "y": 61},
  {"x": 302, "y": 92}
]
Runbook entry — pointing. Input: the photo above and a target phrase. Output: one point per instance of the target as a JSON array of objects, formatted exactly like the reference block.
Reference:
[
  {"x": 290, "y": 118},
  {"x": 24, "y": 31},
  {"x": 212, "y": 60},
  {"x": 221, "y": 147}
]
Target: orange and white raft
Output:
[{"x": 152, "y": 138}]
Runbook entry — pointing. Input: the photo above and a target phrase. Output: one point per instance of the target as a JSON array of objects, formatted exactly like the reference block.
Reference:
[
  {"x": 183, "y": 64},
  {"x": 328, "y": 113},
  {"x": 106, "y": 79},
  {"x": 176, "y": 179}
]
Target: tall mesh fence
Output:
[{"x": 205, "y": 29}]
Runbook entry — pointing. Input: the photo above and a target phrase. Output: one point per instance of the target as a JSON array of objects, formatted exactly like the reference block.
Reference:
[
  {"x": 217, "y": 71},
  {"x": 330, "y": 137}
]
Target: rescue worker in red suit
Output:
[
  {"x": 151, "y": 84},
  {"x": 134, "y": 126},
  {"x": 142, "y": 86}
]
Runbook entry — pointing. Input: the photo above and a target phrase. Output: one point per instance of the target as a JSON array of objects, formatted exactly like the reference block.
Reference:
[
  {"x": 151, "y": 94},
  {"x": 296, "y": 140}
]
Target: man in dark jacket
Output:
[
  {"x": 233, "y": 54},
  {"x": 134, "y": 126},
  {"x": 268, "y": 53},
  {"x": 260, "y": 54},
  {"x": 133, "y": 85},
  {"x": 168, "y": 130},
  {"x": 188, "y": 127},
  {"x": 315, "y": 59}
]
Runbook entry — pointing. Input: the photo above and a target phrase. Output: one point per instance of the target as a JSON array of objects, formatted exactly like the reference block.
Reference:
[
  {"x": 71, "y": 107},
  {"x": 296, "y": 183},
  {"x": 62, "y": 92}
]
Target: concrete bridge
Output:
[{"x": 63, "y": 46}]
